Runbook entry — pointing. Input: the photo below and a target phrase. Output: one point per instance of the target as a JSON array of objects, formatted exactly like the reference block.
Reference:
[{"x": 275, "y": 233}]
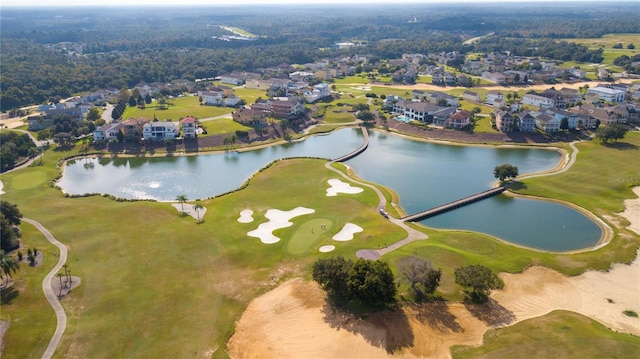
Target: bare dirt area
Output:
[{"x": 293, "y": 321}]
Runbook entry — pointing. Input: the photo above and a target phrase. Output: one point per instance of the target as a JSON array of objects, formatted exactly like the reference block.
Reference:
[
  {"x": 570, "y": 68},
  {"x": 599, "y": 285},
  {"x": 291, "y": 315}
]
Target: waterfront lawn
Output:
[
  {"x": 222, "y": 126},
  {"x": 31, "y": 319},
  {"x": 559, "y": 334},
  {"x": 181, "y": 108},
  {"x": 169, "y": 285}
]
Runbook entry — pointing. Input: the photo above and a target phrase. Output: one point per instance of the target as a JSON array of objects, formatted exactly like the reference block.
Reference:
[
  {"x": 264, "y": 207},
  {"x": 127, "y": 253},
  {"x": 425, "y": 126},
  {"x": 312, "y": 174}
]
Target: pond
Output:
[{"x": 423, "y": 174}]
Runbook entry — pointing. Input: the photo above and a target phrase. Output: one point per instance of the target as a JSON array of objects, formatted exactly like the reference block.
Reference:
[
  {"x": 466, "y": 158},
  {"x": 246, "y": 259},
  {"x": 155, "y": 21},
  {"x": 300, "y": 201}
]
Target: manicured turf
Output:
[
  {"x": 182, "y": 107},
  {"x": 556, "y": 335},
  {"x": 31, "y": 319},
  {"x": 157, "y": 284}
]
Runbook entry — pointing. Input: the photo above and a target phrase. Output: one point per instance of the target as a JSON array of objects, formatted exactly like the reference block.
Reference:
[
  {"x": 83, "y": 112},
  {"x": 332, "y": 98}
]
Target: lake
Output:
[{"x": 423, "y": 174}]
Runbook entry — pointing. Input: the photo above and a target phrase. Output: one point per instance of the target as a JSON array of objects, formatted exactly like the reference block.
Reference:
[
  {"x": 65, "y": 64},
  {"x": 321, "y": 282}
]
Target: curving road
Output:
[{"x": 48, "y": 291}]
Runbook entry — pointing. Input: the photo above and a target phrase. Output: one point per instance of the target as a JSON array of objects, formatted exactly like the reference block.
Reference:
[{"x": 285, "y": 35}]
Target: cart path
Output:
[{"x": 61, "y": 316}]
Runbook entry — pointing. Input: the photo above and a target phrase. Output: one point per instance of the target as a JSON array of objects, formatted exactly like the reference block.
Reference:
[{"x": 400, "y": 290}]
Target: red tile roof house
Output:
[
  {"x": 189, "y": 127},
  {"x": 460, "y": 119}
]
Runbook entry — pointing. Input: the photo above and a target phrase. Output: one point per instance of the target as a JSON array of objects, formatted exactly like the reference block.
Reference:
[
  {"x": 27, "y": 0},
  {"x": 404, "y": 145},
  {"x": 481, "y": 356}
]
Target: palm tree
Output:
[
  {"x": 181, "y": 199},
  {"x": 60, "y": 275},
  {"x": 198, "y": 207},
  {"x": 8, "y": 264}
]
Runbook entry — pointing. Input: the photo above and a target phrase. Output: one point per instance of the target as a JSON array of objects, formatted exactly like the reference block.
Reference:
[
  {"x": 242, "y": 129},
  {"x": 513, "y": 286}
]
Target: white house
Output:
[
  {"x": 319, "y": 91},
  {"x": 493, "y": 96},
  {"x": 189, "y": 127},
  {"x": 160, "y": 130},
  {"x": 538, "y": 101},
  {"x": 547, "y": 123},
  {"x": 607, "y": 94},
  {"x": 232, "y": 79},
  {"x": 108, "y": 132}
]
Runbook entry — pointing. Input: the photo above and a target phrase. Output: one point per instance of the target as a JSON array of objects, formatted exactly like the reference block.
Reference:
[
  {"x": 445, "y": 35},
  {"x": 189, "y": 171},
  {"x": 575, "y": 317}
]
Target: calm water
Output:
[{"x": 423, "y": 174}]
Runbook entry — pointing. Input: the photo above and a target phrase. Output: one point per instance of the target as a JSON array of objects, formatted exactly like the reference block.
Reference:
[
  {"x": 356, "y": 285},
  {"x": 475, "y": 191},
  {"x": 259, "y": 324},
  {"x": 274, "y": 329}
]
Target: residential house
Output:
[
  {"x": 391, "y": 100},
  {"x": 441, "y": 98},
  {"x": 534, "y": 99},
  {"x": 607, "y": 94},
  {"x": 287, "y": 107},
  {"x": 318, "y": 92},
  {"x": 189, "y": 127},
  {"x": 471, "y": 96},
  {"x": 301, "y": 76},
  {"x": 108, "y": 132},
  {"x": 250, "y": 116},
  {"x": 493, "y": 96},
  {"x": 547, "y": 123},
  {"x": 460, "y": 119},
  {"x": 526, "y": 123},
  {"x": 603, "y": 74},
  {"x": 505, "y": 121},
  {"x": 441, "y": 115},
  {"x": 419, "y": 111},
  {"x": 160, "y": 130},
  {"x": 132, "y": 128},
  {"x": 232, "y": 79},
  {"x": 496, "y": 77},
  {"x": 419, "y": 95}
]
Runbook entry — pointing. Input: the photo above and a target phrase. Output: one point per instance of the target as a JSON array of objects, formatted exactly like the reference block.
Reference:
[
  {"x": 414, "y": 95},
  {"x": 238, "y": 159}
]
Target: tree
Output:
[
  {"x": 182, "y": 199},
  {"x": 480, "y": 279},
  {"x": 564, "y": 124},
  {"x": 147, "y": 98},
  {"x": 505, "y": 171},
  {"x": 93, "y": 114},
  {"x": 331, "y": 275},
  {"x": 8, "y": 265},
  {"x": 366, "y": 116},
  {"x": 371, "y": 284},
  {"x": 60, "y": 275},
  {"x": 611, "y": 133},
  {"x": 198, "y": 207},
  {"x": 421, "y": 276},
  {"x": 62, "y": 138},
  {"x": 123, "y": 95},
  {"x": 132, "y": 101}
]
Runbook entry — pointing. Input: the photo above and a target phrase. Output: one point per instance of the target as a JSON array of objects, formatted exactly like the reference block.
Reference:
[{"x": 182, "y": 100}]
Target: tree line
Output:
[{"x": 365, "y": 285}]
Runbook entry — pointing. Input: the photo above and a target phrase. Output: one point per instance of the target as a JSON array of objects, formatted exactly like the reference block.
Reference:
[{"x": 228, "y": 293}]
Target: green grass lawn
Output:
[
  {"x": 559, "y": 334},
  {"x": 182, "y": 107},
  {"x": 223, "y": 125},
  {"x": 156, "y": 284},
  {"x": 31, "y": 318}
]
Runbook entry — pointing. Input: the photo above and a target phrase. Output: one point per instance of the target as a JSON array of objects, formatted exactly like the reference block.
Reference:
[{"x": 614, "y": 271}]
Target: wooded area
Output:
[{"x": 47, "y": 56}]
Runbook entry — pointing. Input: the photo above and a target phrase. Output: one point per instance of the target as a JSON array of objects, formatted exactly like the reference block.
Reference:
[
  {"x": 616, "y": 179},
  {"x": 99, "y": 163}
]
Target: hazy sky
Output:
[{"x": 87, "y": 3}]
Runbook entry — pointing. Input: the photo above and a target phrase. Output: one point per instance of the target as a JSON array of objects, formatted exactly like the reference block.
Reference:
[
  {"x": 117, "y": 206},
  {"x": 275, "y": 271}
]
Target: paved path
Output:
[
  {"x": 48, "y": 291},
  {"x": 412, "y": 234}
]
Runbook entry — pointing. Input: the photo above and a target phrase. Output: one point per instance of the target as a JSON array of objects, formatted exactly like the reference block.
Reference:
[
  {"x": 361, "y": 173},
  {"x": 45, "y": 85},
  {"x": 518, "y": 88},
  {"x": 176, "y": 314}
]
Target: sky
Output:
[{"x": 87, "y": 3}]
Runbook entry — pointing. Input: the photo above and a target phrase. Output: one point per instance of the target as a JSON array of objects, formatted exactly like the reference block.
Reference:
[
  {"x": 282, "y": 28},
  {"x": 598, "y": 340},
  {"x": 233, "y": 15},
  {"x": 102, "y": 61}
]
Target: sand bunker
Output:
[
  {"x": 602, "y": 296},
  {"x": 632, "y": 211},
  {"x": 277, "y": 219},
  {"x": 292, "y": 320},
  {"x": 347, "y": 232},
  {"x": 325, "y": 249},
  {"x": 189, "y": 209},
  {"x": 246, "y": 216},
  {"x": 338, "y": 186}
]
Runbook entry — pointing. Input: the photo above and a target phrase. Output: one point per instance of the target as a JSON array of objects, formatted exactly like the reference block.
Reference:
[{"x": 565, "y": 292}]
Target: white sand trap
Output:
[
  {"x": 188, "y": 209},
  {"x": 632, "y": 211},
  {"x": 246, "y": 216},
  {"x": 277, "y": 219},
  {"x": 347, "y": 232},
  {"x": 338, "y": 186},
  {"x": 325, "y": 249}
]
